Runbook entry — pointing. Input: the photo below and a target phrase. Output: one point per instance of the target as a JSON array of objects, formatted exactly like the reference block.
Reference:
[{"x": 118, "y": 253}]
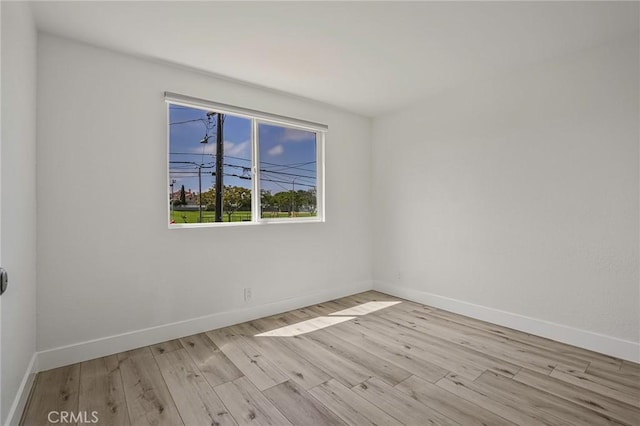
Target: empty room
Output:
[{"x": 319, "y": 213}]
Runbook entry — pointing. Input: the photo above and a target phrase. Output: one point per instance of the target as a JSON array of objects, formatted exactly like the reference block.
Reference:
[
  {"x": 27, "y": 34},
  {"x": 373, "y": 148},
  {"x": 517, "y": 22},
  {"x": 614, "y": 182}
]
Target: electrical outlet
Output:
[{"x": 247, "y": 294}]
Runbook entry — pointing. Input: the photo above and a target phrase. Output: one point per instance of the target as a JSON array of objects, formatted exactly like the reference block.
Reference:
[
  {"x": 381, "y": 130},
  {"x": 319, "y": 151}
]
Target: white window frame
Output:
[{"x": 257, "y": 118}]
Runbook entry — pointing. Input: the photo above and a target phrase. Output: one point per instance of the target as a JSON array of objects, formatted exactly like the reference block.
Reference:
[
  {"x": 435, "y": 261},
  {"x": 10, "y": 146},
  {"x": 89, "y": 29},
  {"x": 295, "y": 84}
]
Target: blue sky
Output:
[{"x": 287, "y": 156}]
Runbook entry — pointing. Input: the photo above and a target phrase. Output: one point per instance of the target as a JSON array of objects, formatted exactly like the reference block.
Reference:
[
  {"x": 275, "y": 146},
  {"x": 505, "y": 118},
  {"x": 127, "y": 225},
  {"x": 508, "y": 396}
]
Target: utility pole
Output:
[
  {"x": 173, "y": 181},
  {"x": 182, "y": 195},
  {"x": 219, "y": 164},
  {"x": 293, "y": 198},
  {"x": 200, "y": 191}
]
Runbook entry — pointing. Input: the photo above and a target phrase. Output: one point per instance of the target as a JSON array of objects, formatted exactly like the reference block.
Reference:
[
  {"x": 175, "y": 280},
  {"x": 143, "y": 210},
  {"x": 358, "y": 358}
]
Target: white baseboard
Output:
[
  {"x": 83, "y": 351},
  {"x": 15, "y": 413},
  {"x": 613, "y": 346}
]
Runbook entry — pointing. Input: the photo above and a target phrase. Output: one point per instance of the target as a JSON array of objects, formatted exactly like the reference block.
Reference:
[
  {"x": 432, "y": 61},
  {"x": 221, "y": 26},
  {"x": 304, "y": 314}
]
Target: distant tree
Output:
[
  {"x": 235, "y": 198},
  {"x": 183, "y": 196},
  {"x": 313, "y": 200},
  {"x": 209, "y": 198},
  {"x": 267, "y": 203},
  {"x": 306, "y": 201},
  {"x": 282, "y": 200}
]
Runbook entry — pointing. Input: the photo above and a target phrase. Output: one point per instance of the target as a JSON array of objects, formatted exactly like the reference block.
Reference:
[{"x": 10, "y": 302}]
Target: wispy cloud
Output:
[
  {"x": 295, "y": 135},
  {"x": 276, "y": 150},
  {"x": 235, "y": 149}
]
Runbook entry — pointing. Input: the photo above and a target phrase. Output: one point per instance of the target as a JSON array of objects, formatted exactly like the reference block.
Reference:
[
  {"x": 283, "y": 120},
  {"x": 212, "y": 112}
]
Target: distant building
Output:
[{"x": 190, "y": 197}]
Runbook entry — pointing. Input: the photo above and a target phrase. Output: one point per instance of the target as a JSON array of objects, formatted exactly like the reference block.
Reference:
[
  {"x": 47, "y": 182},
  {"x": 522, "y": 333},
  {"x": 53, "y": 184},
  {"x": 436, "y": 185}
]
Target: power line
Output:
[
  {"x": 289, "y": 165},
  {"x": 285, "y": 166},
  {"x": 194, "y": 174},
  {"x": 295, "y": 166},
  {"x": 285, "y": 188},
  {"x": 248, "y": 168},
  {"x": 284, "y": 181},
  {"x": 189, "y": 121},
  {"x": 287, "y": 174},
  {"x": 280, "y": 175}
]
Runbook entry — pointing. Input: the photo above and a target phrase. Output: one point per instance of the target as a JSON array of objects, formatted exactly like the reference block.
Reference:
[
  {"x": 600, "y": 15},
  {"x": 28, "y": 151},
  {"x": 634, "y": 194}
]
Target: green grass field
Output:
[{"x": 208, "y": 216}]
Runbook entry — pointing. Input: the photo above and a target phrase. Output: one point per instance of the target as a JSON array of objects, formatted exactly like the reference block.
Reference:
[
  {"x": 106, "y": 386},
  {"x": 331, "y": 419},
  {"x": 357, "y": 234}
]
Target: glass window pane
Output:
[
  {"x": 288, "y": 172},
  {"x": 193, "y": 166}
]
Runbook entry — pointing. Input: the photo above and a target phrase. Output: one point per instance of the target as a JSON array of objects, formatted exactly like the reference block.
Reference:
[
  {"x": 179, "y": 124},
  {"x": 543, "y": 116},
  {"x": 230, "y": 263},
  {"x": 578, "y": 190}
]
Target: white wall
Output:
[
  {"x": 18, "y": 200},
  {"x": 520, "y": 195},
  {"x": 107, "y": 264}
]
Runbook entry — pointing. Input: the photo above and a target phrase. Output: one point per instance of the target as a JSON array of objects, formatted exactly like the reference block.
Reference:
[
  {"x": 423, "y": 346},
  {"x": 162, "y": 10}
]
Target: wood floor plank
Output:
[
  {"x": 347, "y": 372},
  {"x": 498, "y": 350},
  {"x": 356, "y": 307},
  {"x": 597, "y": 384},
  {"x": 461, "y": 354},
  {"x": 610, "y": 407},
  {"x": 210, "y": 360},
  {"x": 296, "y": 327},
  {"x": 306, "y": 313},
  {"x": 55, "y": 390},
  {"x": 262, "y": 373},
  {"x": 144, "y": 351},
  {"x": 349, "y": 406},
  {"x": 299, "y": 406},
  {"x": 384, "y": 348},
  {"x": 584, "y": 355},
  {"x": 102, "y": 392},
  {"x": 379, "y": 367},
  {"x": 326, "y": 308},
  {"x": 169, "y": 346},
  {"x": 524, "y": 349},
  {"x": 298, "y": 369},
  {"x": 147, "y": 396},
  {"x": 400, "y": 405},
  {"x": 299, "y": 314},
  {"x": 593, "y": 358},
  {"x": 342, "y": 369},
  {"x": 422, "y": 345},
  {"x": 404, "y": 305},
  {"x": 248, "y": 405},
  {"x": 455, "y": 408},
  {"x": 631, "y": 368},
  {"x": 285, "y": 319},
  {"x": 196, "y": 401},
  {"x": 523, "y": 395},
  {"x": 504, "y": 407},
  {"x": 620, "y": 377}
]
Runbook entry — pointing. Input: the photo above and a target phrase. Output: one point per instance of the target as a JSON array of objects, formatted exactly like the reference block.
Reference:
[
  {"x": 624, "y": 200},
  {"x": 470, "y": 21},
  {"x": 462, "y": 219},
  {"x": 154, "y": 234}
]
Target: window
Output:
[{"x": 230, "y": 165}]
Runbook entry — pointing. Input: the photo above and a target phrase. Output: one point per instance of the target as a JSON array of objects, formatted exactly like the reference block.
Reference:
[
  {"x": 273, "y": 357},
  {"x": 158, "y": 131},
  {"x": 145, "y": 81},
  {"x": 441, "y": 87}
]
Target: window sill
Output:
[{"x": 261, "y": 222}]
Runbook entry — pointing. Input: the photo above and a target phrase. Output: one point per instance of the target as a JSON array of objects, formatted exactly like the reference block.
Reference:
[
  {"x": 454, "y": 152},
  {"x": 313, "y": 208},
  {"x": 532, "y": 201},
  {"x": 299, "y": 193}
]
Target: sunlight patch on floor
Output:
[
  {"x": 365, "y": 308},
  {"x": 319, "y": 323},
  {"x": 304, "y": 327}
]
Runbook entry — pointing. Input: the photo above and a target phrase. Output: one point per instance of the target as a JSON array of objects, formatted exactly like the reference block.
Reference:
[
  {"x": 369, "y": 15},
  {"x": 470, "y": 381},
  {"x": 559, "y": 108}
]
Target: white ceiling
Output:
[{"x": 367, "y": 57}]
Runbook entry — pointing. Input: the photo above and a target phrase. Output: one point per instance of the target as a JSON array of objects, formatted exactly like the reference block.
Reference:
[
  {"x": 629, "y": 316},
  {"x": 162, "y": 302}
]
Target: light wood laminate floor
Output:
[{"x": 359, "y": 360}]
